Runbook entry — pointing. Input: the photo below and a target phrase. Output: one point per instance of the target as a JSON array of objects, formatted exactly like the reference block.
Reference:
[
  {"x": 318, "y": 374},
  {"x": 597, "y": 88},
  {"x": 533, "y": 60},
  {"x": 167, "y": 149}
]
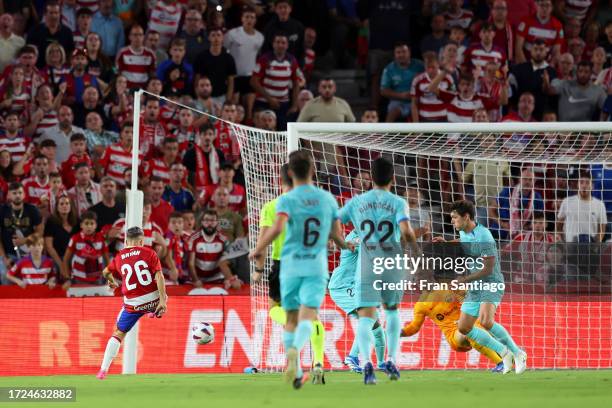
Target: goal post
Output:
[{"x": 487, "y": 163}]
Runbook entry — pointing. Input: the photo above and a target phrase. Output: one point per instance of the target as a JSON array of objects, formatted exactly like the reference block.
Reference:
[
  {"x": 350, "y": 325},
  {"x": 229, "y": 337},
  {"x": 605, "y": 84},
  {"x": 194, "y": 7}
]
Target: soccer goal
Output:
[{"x": 522, "y": 177}]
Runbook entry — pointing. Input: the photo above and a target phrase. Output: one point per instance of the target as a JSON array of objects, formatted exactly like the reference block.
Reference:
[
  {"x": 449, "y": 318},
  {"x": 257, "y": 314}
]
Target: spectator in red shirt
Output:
[
  {"x": 78, "y": 147},
  {"x": 177, "y": 250},
  {"x": 504, "y": 36},
  {"x": 136, "y": 62},
  {"x": 225, "y": 140},
  {"x": 86, "y": 254},
  {"x": 483, "y": 52},
  {"x": 206, "y": 254},
  {"x": 276, "y": 80},
  {"x": 152, "y": 133},
  {"x": 185, "y": 133},
  {"x": 160, "y": 209},
  {"x": 226, "y": 180},
  {"x": 543, "y": 26},
  {"x": 203, "y": 160},
  {"x": 37, "y": 185},
  {"x": 160, "y": 167},
  {"x": 34, "y": 269}
]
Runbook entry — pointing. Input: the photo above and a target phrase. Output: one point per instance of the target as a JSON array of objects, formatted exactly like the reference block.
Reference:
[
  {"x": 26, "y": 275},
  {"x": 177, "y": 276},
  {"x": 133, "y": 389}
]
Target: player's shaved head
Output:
[
  {"x": 300, "y": 164},
  {"x": 382, "y": 172}
]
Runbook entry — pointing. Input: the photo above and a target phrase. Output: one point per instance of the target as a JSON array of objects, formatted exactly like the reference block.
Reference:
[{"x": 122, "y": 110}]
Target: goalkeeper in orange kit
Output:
[{"x": 443, "y": 307}]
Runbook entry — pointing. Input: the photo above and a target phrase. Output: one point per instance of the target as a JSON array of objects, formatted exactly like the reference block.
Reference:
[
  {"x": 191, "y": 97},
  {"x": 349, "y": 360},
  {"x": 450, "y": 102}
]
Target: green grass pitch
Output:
[{"x": 426, "y": 389}]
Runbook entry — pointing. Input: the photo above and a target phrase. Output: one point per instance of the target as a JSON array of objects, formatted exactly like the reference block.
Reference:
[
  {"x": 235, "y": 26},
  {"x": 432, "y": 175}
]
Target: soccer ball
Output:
[{"x": 203, "y": 333}]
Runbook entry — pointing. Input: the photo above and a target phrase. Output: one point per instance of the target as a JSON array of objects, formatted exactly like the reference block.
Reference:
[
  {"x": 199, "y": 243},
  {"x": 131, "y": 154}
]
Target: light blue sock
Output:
[
  {"x": 379, "y": 344},
  {"x": 302, "y": 334},
  {"x": 365, "y": 338},
  {"x": 288, "y": 339},
  {"x": 503, "y": 336},
  {"x": 354, "y": 348},
  {"x": 483, "y": 338},
  {"x": 393, "y": 333}
]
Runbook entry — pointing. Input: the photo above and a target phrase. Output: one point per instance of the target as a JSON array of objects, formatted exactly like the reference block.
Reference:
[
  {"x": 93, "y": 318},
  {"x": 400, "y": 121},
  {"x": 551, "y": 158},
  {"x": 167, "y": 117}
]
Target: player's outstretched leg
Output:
[
  {"x": 365, "y": 339},
  {"x": 317, "y": 343},
  {"x": 520, "y": 357},
  {"x": 112, "y": 348},
  {"x": 393, "y": 338}
]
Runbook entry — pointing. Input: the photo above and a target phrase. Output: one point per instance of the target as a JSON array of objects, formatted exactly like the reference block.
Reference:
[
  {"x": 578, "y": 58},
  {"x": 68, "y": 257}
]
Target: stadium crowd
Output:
[{"x": 69, "y": 69}]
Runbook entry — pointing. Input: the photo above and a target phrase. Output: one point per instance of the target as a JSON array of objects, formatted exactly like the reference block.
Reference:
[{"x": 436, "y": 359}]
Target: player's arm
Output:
[
  {"x": 108, "y": 275},
  {"x": 270, "y": 235},
  {"x": 161, "y": 287},
  {"x": 337, "y": 236},
  {"x": 415, "y": 325},
  {"x": 409, "y": 237},
  {"x": 487, "y": 269}
]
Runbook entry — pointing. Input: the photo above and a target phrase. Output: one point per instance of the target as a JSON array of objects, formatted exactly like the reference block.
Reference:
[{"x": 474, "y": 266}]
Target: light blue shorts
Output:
[
  {"x": 403, "y": 106},
  {"x": 344, "y": 298},
  {"x": 299, "y": 291},
  {"x": 473, "y": 300}
]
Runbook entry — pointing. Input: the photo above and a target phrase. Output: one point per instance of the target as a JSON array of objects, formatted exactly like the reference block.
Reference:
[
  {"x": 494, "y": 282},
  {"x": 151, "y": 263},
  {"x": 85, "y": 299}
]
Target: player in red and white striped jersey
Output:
[
  {"x": 479, "y": 54},
  {"x": 164, "y": 19},
  {"x": 426, "y": 106},
  {"x": 457, "y": 16},
  {"x": 136, "y": 62},
  {"x": 143, "y": 288},
  {"x": 206, "y": 250},
  {"x": 541, "y": 26},
  {"x": 37, "y": 185},
  {"x": 86, "y": 253},
  {"x": 12, "y": 137},
  {"x": 117, "y": 158},
  {"x": 152, "y": 133},
  {"x": 34, "y": 269}
]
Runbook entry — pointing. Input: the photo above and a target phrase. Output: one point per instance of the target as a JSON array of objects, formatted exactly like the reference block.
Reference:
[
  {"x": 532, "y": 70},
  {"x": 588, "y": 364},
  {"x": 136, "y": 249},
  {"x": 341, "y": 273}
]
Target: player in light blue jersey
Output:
[
  {"x": 342, "y": 291},
  {"x": 310, "y": 215},
  {"x": 380, "y": 217},
  {"x": 481, "y": 303}
]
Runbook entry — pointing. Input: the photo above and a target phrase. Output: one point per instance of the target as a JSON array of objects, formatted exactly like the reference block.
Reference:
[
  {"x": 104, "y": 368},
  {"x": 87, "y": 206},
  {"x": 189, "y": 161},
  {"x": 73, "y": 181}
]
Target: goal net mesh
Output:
[{"x": 538, "y": 192}]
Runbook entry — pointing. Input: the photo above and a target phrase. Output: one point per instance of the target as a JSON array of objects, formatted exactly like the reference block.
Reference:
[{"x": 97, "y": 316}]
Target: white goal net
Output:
[{"x": 543, "y": 189}]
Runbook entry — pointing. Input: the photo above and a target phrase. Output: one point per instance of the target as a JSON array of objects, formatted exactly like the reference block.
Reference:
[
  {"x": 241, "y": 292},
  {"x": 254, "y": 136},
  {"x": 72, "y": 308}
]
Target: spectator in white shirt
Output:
[
  {"x": 583, "y": 217},
  {"x": 10, "y": 43}
]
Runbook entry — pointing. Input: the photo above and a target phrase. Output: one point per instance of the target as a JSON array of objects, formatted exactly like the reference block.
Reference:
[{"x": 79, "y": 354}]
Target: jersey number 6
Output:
[
  {"x": 311, "y": 236},
  {"x": 142, "y": 274}
]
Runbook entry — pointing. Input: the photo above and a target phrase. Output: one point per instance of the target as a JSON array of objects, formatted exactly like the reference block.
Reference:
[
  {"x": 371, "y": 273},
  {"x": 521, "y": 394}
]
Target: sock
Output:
[
  {"x": 487, "y": 352},
  {"x": 288, "y": 338},
  {"x": 302, "y": 334},
  {"x": 112, "y": 348},
  {"x": 317, "y": 342},
  {"x": 278, "y": 315},
  {"x": 393, "y": 333},
  {"x": 379, "y": 344},
  {"x": 483, "y": 338},
  {"x": 365, "y": 338},
  {"x": 354, "y": 348},
  {"x": 503, "y": 336}
]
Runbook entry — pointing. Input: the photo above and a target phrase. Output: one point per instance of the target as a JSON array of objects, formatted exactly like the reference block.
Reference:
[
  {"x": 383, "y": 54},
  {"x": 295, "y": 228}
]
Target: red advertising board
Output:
[{"x": 68, "y": 336}]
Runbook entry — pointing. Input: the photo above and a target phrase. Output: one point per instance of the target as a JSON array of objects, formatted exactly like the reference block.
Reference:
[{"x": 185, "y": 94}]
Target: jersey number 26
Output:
[{"x": 142, "y": 274}]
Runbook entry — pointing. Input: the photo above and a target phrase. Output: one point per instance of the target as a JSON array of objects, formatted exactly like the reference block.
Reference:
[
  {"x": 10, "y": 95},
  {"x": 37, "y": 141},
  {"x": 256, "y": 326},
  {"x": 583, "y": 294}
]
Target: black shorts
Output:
[
  {"x": 242, "y": 85},
  {"x": 274, "y": 282}
]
